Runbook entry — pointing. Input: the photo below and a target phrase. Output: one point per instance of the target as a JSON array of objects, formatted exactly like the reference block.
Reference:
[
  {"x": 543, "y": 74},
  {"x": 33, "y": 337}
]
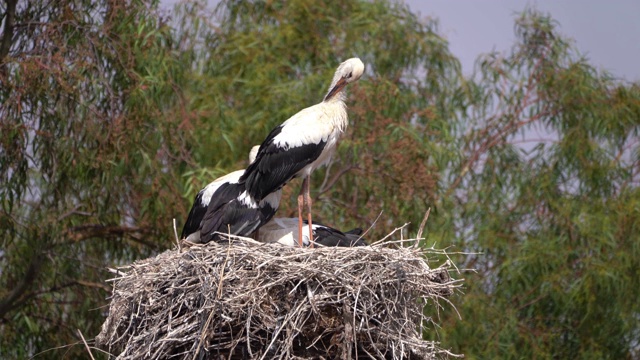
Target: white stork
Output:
[
  {"x": 301, "y": 144},
  {"x": 237, "y": 217},
  {"x": 285, "y": 231}
]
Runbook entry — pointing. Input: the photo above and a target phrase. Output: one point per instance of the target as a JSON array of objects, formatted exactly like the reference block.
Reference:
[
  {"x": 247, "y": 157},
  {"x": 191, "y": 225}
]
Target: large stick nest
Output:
[{"x": 267, "y": 301}]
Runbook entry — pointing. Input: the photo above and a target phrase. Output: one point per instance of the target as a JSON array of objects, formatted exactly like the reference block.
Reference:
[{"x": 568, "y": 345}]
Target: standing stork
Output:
[
  {"x": 303, "y": 143},
  {"x": 230, "y": 215}
]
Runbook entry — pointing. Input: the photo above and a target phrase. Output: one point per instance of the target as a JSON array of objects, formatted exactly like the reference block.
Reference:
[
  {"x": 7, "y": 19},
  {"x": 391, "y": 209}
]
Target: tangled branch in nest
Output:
[{"x": 266, "y": 301}]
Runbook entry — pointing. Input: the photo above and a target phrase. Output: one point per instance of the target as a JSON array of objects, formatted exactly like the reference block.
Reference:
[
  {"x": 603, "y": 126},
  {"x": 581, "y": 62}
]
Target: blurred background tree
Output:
[
  {"x": 90, "y": 150},
  {"x": 114, "y": 115},
  {"x": 547, "y": 193}
]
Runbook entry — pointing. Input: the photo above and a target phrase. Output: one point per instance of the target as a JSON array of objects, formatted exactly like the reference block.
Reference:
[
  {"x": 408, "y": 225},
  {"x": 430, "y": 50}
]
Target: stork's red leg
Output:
[
  {"x": 307, "y": 196},
  {"x": 300, "y": 206}
]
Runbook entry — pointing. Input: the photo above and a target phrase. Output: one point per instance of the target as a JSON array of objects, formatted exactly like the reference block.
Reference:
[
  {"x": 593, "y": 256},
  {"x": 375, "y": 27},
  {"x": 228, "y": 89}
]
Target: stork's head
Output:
[{"x": 348, "y": 72}]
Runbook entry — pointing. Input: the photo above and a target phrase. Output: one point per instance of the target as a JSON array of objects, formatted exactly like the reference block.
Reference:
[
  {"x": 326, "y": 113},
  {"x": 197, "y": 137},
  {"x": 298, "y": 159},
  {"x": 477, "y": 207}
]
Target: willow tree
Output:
[
  {"x": 545, "y": 191},
  {"x": 89, "y": 152},
  {"x": 549, "y": 195}
]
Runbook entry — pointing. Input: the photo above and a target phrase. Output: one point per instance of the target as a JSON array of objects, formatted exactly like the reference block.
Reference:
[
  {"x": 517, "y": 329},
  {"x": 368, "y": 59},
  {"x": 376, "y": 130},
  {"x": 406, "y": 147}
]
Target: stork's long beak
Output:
[{"x": 336, "y": 89}]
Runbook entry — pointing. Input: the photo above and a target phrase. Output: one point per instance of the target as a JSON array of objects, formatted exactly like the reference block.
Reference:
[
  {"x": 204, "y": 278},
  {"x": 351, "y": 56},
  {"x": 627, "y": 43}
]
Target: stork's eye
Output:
[{"x": 350, "y": 74}]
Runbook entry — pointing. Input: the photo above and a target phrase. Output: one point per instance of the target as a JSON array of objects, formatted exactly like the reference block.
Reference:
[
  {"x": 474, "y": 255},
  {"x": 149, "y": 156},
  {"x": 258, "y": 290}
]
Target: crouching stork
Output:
[
  {"x": 301, "y": 144},
  {"x": 217, "y": 208},
  {"x": 285, "y": 231}
]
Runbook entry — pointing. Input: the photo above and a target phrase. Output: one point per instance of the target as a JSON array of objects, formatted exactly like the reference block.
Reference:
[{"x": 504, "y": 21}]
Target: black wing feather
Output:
[
  {"x": 355, "y": 237},
  {"x": 219, "y": 205},
  {"x": 275, "y": 166},
  {"x": 236, "y": 219},
  {"x": 195, "y": 216},
  {"x": 328, "y": 236},
  {"x": 356, "y": 232},
  {"x": 227, "y": 215}
]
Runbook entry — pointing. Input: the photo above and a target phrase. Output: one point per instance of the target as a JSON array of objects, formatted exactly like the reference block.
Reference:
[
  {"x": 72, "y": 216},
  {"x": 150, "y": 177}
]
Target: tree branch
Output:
[
  {"x": 329, "y": 184},
  {"x": 84, "y": 232},
  {"x": 7, "y": 34},
  {"x": 11, "y": 301}
]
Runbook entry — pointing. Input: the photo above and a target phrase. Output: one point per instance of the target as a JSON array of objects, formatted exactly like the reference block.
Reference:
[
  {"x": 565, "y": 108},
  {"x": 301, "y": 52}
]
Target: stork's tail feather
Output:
[
  {"x": 356, "y": 231},
  {"x": 327, "y": 236}
]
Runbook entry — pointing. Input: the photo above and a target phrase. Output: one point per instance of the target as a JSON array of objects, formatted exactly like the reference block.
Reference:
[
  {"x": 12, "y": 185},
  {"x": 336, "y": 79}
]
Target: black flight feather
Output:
[
  {"x": 275, "y": 166},
  {"x": 223, "y": 209},
  {"x": 195, "y": 216},
  {"x": 328, "y": 236}
]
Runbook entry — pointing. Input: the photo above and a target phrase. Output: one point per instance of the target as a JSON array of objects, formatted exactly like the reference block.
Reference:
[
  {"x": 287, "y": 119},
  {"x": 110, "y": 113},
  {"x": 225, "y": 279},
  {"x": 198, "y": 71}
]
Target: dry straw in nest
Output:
[{"x": 249, "y": 300}]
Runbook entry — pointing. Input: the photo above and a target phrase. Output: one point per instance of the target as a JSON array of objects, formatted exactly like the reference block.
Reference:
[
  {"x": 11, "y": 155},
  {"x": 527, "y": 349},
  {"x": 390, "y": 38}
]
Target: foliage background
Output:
[{"x": 115, "y": 113}]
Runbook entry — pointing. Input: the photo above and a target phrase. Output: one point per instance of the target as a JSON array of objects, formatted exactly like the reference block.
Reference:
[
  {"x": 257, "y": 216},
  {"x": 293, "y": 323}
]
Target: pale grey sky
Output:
[{"x": 606, "y": 32}]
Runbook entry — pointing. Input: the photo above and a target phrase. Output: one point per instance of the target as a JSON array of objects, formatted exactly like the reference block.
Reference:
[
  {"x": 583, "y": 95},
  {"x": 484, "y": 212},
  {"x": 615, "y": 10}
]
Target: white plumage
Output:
[{"x": 303, "y": 143}]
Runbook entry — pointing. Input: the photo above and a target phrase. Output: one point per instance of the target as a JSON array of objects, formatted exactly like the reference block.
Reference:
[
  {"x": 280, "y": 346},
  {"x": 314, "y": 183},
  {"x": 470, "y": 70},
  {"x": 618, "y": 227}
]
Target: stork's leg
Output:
[
  {"x": 300, "y": 206},
  {"x": 307, "y": 199}
]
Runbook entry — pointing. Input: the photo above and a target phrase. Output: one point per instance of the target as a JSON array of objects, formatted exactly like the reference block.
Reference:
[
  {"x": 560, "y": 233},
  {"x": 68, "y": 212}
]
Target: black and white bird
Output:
[
  {"x": 301, "y": 144},
  {"x": 285, "y": 231},
  {"x": 235, "y": 217}
]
